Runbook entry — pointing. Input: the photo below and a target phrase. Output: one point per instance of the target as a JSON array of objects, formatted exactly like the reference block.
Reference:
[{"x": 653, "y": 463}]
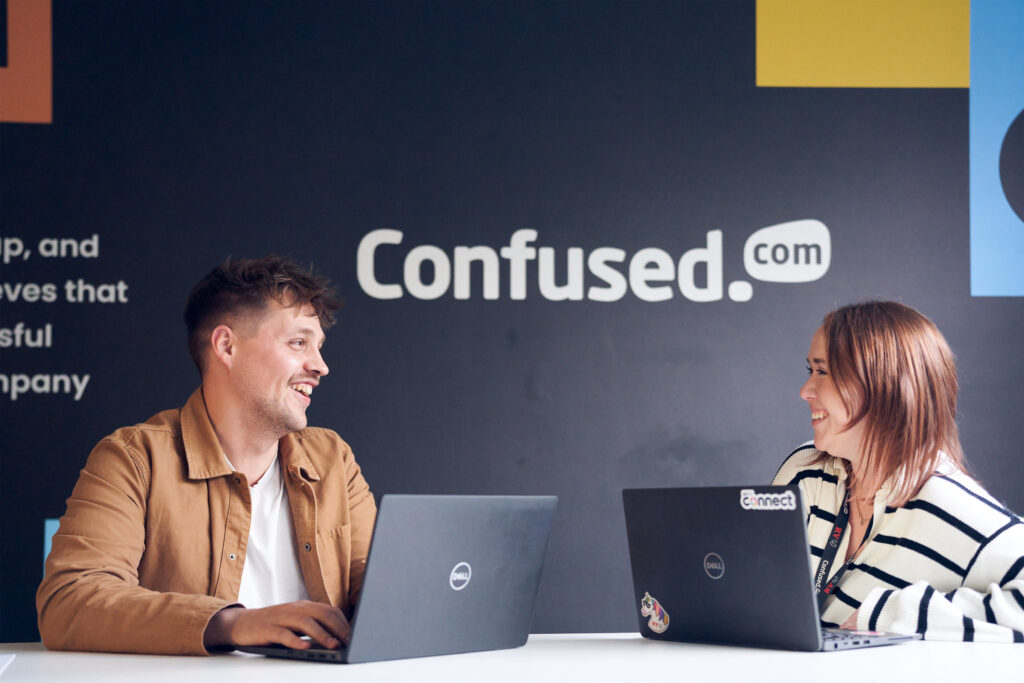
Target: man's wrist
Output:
[{"x": 218, "y": 629}]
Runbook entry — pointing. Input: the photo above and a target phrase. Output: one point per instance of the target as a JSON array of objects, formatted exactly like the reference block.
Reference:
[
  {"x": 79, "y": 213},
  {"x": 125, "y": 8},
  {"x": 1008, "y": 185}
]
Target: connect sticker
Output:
[{"x": 752, "y": 500}]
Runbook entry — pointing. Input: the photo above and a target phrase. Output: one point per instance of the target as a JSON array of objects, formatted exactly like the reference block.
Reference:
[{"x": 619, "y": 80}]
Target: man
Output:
[{"x": 226, "y": 522}]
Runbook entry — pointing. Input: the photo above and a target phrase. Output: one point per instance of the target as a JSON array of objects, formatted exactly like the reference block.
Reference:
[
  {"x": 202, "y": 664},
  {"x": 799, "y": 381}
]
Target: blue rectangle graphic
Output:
[{"x": 997, "y": 140}]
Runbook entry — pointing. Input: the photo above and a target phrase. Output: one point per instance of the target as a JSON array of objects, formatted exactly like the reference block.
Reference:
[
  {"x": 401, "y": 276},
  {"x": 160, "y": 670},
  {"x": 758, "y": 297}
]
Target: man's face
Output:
[{"x": 278, "y": 365}]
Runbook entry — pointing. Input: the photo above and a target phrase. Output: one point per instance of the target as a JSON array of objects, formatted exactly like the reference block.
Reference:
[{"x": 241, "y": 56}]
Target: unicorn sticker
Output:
[{"x": 649, "y": 607}]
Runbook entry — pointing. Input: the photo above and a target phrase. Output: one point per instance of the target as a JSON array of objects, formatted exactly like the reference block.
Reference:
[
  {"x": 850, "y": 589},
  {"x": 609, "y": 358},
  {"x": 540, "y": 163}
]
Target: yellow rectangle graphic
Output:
[{"x": 863, "y": 43}]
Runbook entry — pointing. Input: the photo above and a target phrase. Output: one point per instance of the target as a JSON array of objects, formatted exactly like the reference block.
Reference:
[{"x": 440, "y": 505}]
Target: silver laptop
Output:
[
  {"x": 445, "y": 574},
  {"x": 709, "y": 569}
]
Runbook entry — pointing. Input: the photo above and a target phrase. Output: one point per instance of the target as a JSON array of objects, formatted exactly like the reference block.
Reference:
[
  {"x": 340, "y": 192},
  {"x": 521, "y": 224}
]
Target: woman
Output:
[{"x": 901, "y": 537}]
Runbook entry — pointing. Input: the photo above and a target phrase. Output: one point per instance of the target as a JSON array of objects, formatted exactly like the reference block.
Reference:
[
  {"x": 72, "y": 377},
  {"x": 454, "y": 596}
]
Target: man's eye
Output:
[{"x": 299, "y": 342}]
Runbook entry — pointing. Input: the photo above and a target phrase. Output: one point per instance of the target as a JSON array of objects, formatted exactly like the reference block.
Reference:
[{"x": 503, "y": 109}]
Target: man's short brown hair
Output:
[{"x": 243, "y": 287}]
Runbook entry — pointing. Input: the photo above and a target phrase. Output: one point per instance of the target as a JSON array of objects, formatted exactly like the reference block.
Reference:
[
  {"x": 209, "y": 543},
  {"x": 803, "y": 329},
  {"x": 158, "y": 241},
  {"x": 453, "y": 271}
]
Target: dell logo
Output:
[
  {"x": 714, "y": 565},
  {"x": 459, "y": 578}
]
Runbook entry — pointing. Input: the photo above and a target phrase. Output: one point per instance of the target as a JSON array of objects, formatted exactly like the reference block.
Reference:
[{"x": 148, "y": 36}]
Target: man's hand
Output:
[{"x": 283, "y": 624}]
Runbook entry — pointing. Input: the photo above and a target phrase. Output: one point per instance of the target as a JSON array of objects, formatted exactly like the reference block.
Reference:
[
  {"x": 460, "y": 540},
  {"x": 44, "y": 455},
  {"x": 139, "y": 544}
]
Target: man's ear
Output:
[{"x": 224, "y": 344}]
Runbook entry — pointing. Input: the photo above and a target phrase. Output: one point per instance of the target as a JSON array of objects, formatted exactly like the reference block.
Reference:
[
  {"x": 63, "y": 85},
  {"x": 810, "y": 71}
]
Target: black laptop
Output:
[
  {"x": 445, "y": 574},
  {"x": 711, "y": 568}
]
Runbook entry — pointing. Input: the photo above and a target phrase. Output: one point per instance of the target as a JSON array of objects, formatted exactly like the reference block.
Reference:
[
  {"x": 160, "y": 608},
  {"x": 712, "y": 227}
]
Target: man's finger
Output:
[
  {"x": 314, "y": 629},
  {"x": 278, "y": 635},
  {"x": 331, "y": 618}
]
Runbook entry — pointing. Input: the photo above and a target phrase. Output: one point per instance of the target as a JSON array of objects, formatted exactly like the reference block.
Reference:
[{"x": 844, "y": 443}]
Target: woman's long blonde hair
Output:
[{"x": 895, "y": 372}]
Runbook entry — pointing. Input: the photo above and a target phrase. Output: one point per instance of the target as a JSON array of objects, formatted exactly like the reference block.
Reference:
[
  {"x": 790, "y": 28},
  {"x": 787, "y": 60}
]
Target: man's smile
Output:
[{"x": 304, "y": 389}]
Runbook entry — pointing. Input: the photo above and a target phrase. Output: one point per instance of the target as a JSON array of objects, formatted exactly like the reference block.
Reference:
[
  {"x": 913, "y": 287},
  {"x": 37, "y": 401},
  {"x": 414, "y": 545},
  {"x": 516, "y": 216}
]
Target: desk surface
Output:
[{"x": 578, "y": 657}]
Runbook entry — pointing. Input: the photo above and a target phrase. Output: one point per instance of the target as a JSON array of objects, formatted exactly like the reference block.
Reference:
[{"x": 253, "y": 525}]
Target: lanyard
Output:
[{"x": 822, "y": 586}]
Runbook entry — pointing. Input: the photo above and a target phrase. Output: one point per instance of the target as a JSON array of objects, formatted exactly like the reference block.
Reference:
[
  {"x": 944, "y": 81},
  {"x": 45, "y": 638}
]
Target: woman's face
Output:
[{"x": 828, "y": 416}]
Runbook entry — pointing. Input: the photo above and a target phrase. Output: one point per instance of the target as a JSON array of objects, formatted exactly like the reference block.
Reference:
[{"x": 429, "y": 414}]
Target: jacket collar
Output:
[
  {"x": 205, "y": 457},
  {"x": 203, "y": 453},
  {"x": 294, "y": 457}
]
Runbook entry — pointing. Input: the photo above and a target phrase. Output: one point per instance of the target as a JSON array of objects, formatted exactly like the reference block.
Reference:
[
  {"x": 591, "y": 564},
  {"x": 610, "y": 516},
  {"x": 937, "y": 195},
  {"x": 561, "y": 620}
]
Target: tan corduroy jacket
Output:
[{"x": 153, "y": 540}]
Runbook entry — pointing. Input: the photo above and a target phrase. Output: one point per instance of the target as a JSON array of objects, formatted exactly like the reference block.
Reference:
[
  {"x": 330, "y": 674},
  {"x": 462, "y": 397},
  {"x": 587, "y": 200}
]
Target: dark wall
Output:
[{"x": 185, "y": 132}]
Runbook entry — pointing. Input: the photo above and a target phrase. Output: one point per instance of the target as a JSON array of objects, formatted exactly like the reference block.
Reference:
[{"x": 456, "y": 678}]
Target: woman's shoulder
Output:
[
  {"x": 956, "y": 491},
  {"x": 953, "y": 500},
  {"x": 806, "y": 462}
]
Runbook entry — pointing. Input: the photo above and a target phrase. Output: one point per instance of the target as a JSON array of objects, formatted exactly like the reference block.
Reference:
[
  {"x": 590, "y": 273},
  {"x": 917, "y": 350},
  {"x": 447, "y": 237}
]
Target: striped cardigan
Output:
[{"x": 949, "y": 564}]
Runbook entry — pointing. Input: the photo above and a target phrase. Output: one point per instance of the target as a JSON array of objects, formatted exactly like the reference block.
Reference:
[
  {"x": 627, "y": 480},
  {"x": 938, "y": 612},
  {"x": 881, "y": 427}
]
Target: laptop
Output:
[
  {"x": 445, "y": 575},
  {"x": 709, "y": 569}
]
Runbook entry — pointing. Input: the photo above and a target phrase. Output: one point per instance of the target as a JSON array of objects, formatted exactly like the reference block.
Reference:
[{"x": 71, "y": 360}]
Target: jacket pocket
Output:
[{"x": 335, "y": 550}]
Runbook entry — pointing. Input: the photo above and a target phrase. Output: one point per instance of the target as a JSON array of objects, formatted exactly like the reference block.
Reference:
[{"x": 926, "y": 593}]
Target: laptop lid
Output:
[
  {"x": 722, "y": 565},
  {"x": 449, "y": 574}
]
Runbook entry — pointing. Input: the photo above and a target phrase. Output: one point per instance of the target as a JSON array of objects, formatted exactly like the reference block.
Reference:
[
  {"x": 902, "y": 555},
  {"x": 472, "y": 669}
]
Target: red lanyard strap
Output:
[{"x": 822, "y": 586}]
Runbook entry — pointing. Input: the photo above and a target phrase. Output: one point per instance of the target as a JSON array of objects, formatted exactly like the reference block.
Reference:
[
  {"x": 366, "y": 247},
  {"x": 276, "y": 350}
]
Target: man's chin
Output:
[{"x": 292, "y": 422}]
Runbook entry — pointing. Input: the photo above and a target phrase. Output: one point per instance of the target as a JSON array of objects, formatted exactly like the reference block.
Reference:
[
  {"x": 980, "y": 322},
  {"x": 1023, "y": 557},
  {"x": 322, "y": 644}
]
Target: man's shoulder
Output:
[
  {"x": 140, "y": 447},
  {"x": 166, "y": 422}
]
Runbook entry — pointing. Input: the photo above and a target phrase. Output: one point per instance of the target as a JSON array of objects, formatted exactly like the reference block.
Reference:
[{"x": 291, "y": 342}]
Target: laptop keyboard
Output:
[{"x": 315, "y": 648}]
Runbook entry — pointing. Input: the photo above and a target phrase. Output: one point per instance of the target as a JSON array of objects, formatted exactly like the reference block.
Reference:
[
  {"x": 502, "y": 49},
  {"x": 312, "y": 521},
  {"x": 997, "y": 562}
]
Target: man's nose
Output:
[{"x": 316, "y": 364}]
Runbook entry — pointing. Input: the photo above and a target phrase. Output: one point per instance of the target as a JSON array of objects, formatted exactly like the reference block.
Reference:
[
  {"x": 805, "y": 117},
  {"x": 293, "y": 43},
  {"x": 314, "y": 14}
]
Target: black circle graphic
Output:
[{"x": 1011, "y": 165}]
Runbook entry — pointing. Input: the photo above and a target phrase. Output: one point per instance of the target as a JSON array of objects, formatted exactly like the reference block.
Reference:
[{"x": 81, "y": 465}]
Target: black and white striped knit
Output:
[{"x": 949, "y": 564}]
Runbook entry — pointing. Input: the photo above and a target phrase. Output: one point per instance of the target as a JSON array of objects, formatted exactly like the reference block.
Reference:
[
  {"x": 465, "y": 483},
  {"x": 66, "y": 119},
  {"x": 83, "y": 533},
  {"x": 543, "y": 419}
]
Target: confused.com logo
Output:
[{"x": 797, "y": 251}]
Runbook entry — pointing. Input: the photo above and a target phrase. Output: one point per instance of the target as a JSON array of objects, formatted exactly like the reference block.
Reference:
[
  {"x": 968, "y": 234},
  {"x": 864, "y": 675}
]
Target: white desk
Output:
[{"x": 574, "y": 658}]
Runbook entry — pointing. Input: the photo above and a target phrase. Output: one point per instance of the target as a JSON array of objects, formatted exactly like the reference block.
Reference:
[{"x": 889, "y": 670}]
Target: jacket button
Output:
[
  {"x": 233, "y": 556},
  {"x": 238, "y": 480},
  {"x": 308, "y": 547}
]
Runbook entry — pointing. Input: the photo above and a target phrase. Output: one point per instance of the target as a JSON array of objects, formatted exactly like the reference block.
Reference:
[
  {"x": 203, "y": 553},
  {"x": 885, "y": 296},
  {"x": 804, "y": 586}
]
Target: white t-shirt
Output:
[{"x": 271, "y": 573}]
